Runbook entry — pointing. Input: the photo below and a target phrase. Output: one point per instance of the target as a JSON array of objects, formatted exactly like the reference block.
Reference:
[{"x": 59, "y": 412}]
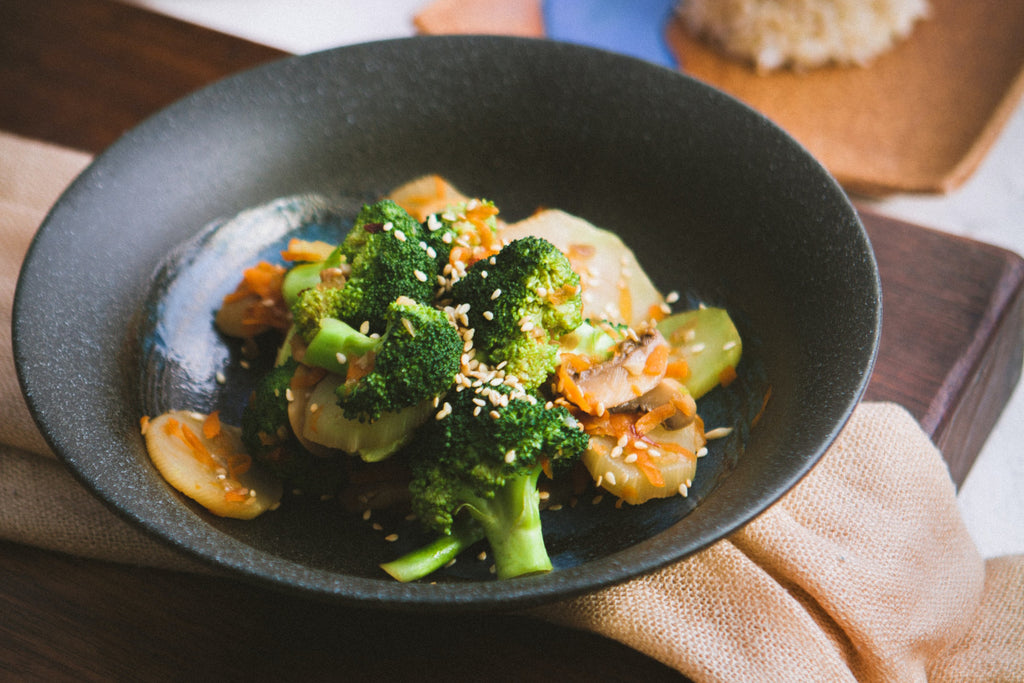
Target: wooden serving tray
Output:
[{"x": 79, "y": 73}]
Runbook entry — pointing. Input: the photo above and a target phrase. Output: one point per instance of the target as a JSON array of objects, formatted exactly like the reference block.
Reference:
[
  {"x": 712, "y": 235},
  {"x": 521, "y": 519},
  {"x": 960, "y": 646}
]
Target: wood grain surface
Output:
[{"x": 81, "y": 72}]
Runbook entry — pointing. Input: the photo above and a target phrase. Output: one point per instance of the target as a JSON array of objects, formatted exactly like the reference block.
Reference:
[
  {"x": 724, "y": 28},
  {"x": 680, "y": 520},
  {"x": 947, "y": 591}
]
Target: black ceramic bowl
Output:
[{"x": 114, "y": 305}]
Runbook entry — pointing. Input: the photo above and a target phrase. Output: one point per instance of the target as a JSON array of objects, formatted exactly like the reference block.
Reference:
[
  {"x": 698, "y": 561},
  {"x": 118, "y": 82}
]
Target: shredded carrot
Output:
[
  {"x": 305, "y": 250},
  {"x": 236, "y": 495},
  {"x": 669, "y": 447},
  {"x": 677, "y": 369},
  {"x": 576, "y": 361},
  {"x": 655, "y": 417},
  {"x": 685, "y": 404},
  {"x": 172, "y": 427},
  {"x": 567, "y": 385},
  {"x": 262, "y": 280},
  {"x": 649, "y": 469},
  {"x": 727, "y": 376},
  {"x": 657, "y": 362},
  {"x": 545, "y": 466},
  {"x": 199, "y": 450},
  {"x": 211, "y": 425},
  {"x": 144, "y": 424},
  {"x": 656, "y": 312},
  {"x": 625, "y": 302},
  {"x": 764, "y": 404}
]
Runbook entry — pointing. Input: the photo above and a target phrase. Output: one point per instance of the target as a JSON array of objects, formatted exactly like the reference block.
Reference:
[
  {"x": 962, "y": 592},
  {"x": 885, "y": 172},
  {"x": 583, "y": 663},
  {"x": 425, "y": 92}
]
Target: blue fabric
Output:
[{"x": 631, "y": 27}]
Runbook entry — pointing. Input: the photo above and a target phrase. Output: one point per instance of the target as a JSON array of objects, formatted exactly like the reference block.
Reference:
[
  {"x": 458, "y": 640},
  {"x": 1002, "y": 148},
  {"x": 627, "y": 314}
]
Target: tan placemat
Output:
[{"x": 918, "y": 119}]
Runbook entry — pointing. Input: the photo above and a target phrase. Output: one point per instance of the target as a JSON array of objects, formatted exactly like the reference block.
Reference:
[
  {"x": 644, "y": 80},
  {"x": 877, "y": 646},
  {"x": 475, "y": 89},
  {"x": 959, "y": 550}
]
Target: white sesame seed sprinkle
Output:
[
  {"x": 400, "y": 236},
  {"x": 718, "y": 433},
  {"x": 420, "y": 275},
  {"x": 341, "y": 358},
  {"x": 495, "y": 294},
  {"x": 221, "y": 379}
]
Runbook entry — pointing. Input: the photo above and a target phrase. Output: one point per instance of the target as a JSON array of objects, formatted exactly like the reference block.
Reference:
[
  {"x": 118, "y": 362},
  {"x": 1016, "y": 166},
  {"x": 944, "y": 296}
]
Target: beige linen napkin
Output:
[{"x": 864, "y": 571}]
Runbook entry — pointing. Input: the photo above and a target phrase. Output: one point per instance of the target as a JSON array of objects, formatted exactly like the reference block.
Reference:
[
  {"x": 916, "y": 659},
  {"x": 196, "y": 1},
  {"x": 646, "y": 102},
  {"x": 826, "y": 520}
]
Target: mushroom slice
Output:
[
  {"x": 207, "y": 462},
  {"x": 637, "y": 367}
]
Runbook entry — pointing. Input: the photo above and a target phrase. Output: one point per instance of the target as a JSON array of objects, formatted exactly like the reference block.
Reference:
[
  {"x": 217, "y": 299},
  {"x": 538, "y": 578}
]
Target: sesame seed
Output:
[
  {"x": 510, "y": 457},
  {"x": 483, "y": 274},
  {"x": 341, "y": 358},
  {"x": 616, "y": 452},
  {"x": 672, "y": 297},
  {"x": 610, "y": 477},
  {"x": 718, "y": 433},
  {"x": 640, "y": 445},
  {"x": 477, "y": 411},
  {"x": 494, "y": 414},
  {"x": 400, "y": 236},
  {"x": 597, "y": 499},
  {"x": 482, "y": 555},
  {"x": 289, "y": 396},
  {"x": 366, "y": 514},
  {"x": 365, "y": 327},
  {"x": 702, "y": 451},
  {"x": 623, "y": 440},
  {"x": 313, "y": 407},
  {"x": 391, "y": 538},
  {"x": 488, "y": 315},
  {"x": 495, "y": 294},
  {"x": 447, "y": 238},
  {"x": 221, "y": 379},
  {"x": 420, "y": 275},
  {"x": 697, "y": 348},
  {"x": 631, "y": 458},
  {"x": 377, "y": 526},
  {"x": 244, "y": 364},
  {"x": 526, "y": 326},
  {"x": 388, "y": 226},
  {"x": 684, "y": 490}
]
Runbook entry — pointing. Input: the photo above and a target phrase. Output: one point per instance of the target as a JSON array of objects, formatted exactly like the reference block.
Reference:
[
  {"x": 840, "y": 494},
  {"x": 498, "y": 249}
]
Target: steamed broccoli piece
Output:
[
  {"x": 522, "y": 300},
  {"x": 415, "y": 359},
  {"x": 472, "y": 464},
  {"x": 596, "y": 339},
  {"x": 387, "y": 258},
  {"x": 471, "y": 224},
  {"x": 268, "y": 437}
]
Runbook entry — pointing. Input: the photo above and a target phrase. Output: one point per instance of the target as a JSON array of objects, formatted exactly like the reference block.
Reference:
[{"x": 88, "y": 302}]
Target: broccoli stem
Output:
[
  {"x": 429, "y": 558},
  {"x": 511, "y": 522}
]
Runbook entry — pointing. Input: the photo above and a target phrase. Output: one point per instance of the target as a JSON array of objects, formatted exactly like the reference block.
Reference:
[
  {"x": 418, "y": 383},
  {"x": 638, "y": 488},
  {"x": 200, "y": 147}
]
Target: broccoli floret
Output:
[
  {"x": 470, "y": 463},
  {"x": 268, "y": 438},
  {"x": 415, "y": 359},
  {"x": 469, "y": 224},
  {"x": 386, "y": 258},
  {"x": 522, "y": 300}
]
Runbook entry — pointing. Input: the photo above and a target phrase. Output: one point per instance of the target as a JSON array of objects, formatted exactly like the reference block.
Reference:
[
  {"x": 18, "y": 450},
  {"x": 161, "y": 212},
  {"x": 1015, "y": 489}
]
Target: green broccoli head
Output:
[
  {"x": 468, "y": 224},
  {"x": 415, "y": 359},
  {"x": 268, "y": 438},
  {"x": 522, "y": 300},
  {"x": 386, "y": 258},
  {"x": 489, "y": 466}
]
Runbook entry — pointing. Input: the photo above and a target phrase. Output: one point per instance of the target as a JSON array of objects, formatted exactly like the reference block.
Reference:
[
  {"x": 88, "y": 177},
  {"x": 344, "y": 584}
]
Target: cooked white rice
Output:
[{"x": 803, "y": 34}]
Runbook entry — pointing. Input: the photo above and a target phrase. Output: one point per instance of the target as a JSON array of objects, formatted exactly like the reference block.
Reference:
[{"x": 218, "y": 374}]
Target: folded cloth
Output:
[{"x": 864, "y": 571}]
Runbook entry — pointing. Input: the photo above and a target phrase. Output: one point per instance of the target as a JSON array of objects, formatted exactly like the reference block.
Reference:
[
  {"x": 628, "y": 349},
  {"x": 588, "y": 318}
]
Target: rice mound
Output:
[{"x": 803, "y": 34}]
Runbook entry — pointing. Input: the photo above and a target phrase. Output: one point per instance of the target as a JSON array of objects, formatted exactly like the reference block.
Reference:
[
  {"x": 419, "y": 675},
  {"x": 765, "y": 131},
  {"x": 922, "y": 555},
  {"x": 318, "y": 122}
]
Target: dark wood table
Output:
[{"x": 81, "y": 72}]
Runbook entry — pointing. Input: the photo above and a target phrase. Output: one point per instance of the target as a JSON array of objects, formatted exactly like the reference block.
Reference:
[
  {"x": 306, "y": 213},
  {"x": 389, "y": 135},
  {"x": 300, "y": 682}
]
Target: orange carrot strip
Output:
[
  {"x": 657, "y": 361},
  {"x": 656, "y": 312},
  {"x": 305, "y": 250},
  {"x": 652, "y": 419},
  {"x": 677, "y": 369},
  {"x": 685, "y": 404},
  {"x": 649, "y": 469},
  {"x": 211, "y": 425},
  {"x": 199, "y": 451}
]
